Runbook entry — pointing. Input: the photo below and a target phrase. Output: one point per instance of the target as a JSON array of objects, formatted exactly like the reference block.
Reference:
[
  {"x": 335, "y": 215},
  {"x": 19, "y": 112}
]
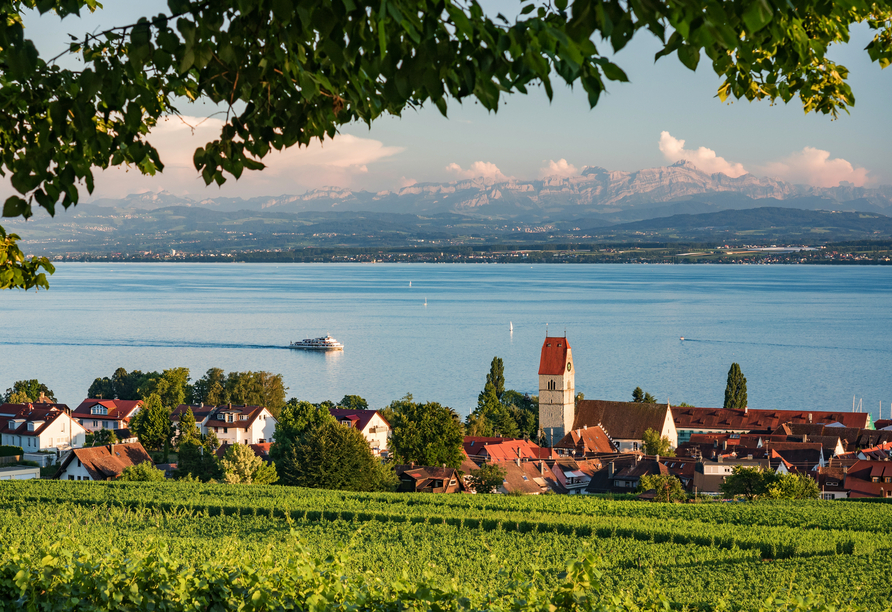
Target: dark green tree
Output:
[
  {"x": 171, "y": 386},
  {"x": 735, "y": 390},
  {"x": 152, "y": 424},
  {"x": 296, "y": 418},
  {"x": 212, "y": 382},
  {"x": 656, "y": 445},
  {"x": 102, "y": 388},
  {"x": 187, "y": 428},
  {"x": 640, "y": 397},
  {"x": 488, "y": 479},
  {"x": 104, "y": 436},
  {"x": 668, "y": 488},
  {"x": 330, "y": 456},
  {"x": 196, "y": 459},
  {"x": 750, "y": 482},
  {"x": 251, "y": 388},
  {"x": 426, "y": 434},
  {"x": 28, "y": 391},
  {"x": 496, "y": 376},
  {"x": 353, "y": 402}
]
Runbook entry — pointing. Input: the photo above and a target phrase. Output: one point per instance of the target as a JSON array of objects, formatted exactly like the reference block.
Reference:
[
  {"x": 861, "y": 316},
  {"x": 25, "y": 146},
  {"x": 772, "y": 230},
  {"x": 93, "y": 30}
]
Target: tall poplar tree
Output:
[
  {"x": 735, "y": 390},
  {"x": 496, "y": 376}
]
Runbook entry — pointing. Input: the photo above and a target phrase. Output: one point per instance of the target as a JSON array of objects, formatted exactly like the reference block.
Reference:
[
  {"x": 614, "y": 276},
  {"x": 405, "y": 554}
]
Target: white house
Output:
[
  {"x": 101, "y": 462},
  {"x": 96, "y": 414},
  {"x": 232, "y": 424},
  {"x": 370, "y": 422},
  {"x": 36, "y": 427}
]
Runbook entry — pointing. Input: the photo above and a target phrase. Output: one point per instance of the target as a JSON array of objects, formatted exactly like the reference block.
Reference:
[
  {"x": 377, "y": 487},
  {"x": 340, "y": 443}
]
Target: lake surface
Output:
[{"x": 805, "y": 337}]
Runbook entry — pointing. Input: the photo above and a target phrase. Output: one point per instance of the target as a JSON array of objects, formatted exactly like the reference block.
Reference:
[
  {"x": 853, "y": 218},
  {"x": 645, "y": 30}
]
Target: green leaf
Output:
[
  {"x": 689, "y": 56},
  {"x": 757, "y": 15},
  {"x": 16, "y": 207}
]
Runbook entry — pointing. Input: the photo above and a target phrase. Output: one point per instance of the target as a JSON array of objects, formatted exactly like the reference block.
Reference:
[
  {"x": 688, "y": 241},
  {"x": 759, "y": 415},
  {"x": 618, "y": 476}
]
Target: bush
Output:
[
  {"x": 142, "y": 472},
  {"x": 11, "y": 451}
]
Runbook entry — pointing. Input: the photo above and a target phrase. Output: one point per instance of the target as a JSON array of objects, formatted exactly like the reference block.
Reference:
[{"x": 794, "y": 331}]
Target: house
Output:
[
  {"x": 710, "y": 474},
  {"x": 803, "y": 456},
  {"x": 96, "y": 414},
  {"x": 626, "y": 422},
  {"x": 231, "y": 424},
  {"x": 501, "y": 450},
  {"x": 528, "y": 478},
  {"x": 869, "y": 478},
  {"x": 832, "y": 483},
  {"x": 427, "y": 479},
  {"x": 626, "y": 479},
  {"x": 691, "y": 420},
  {"x": 370, "y": 422},
  {"x": 574, "y": 476},
  {"x": 101, "y": 462},
  {"x": 583, "y": 442},
  {"x": 37, "y": 427}
]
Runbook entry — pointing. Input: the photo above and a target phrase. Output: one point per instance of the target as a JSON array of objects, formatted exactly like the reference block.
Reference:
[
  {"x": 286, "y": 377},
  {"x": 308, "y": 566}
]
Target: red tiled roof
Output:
[
  {"x": 621, "y": 420},
  {"x": 214, "y": 415},
  {"x": 46, "y": 413},
  {"x": 509, "y": 450},
  {"x": 764, "y": 420},
  {"x": 359, "y": 418},
  {"x": 117, "y": 409},
  {"x": 553, "y": 360},
  {"x": 587, "y": 440},
  {"x": 107, "y": 462},
  {"x": 474, "y": 444}
]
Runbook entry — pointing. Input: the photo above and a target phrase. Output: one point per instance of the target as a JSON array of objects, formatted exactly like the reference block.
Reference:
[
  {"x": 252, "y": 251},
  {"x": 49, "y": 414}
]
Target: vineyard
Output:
[{"x": 185, "y": 546}]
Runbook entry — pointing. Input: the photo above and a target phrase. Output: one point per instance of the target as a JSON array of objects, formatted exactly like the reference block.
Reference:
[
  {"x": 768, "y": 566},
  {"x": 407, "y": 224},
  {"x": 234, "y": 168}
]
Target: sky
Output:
[{"x": 665, "y": 114}]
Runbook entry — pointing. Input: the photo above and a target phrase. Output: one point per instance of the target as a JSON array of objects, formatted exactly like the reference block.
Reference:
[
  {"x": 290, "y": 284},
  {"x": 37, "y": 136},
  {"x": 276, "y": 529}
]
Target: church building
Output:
[{"x": 557, "y": 389}]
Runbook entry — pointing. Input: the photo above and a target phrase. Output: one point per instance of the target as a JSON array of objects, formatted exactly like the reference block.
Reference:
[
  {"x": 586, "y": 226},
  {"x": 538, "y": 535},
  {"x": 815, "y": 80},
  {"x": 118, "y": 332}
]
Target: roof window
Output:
[{"x": 98, "y": 409}]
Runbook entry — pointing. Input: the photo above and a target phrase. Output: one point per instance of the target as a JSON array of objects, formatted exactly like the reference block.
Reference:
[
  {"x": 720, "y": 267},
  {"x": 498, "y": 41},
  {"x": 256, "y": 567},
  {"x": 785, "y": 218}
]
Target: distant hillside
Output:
[
  {"x": 774, "y": 221},
  {"x": 596, "y": 192}
]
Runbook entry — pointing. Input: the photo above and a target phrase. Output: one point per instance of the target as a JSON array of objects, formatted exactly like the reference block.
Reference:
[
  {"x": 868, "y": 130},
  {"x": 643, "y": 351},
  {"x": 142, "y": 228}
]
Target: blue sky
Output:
[{"x": 622, "y": 133}]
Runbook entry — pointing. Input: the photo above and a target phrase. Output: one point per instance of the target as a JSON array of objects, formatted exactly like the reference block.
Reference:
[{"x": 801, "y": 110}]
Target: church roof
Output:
[
  {"x": 554, "y": 356},
  {"x": 621, "y": 420}
]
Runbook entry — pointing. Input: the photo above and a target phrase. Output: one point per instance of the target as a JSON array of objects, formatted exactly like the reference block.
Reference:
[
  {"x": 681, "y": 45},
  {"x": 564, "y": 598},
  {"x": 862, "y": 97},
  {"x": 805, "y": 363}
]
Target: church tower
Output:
[{"x": 557, "y": 389}]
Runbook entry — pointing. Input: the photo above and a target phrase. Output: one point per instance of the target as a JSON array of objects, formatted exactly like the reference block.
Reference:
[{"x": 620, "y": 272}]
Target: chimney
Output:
[
  {"x": 542, "y": 468},
  {"x": 746, "y": 409},
  {"x": 657, "y": 459},
  {"x": 42, "y": 399},
  {"x": 809, "y": 417},
  {"x": 611, "y": 469},
  {"x": 637, "y": 458},
  {"x": 111, "y": 448},
  {"x": 750, "y": 457},
  {"x": 516, "y": 461}
]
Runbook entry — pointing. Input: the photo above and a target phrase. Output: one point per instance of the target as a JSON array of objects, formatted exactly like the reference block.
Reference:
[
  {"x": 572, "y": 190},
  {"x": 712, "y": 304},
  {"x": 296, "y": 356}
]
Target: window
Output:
[
  {"x": 78, "y": 463},
  {"x": 229, "y": 418},
  {"x": 98, "y": 409},
  {"x": 225, "y": 430},
  {"x": 95, "y": 424},
  {"x": 216, "y": 430},
  {"x": 70, "y": 477},
  {"x": 30, "y": 426},
  {"x": 104, "y": 424},
  {"x": 875, "y": 479},
  {"x": 63, "y": 426}
]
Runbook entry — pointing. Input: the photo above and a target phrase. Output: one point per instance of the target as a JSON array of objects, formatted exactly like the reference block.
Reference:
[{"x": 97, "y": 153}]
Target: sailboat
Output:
[
  {"x": 510, "y": 326},
  {"x": 425, "y": 301},
  {"x": 410, "y": 283}
]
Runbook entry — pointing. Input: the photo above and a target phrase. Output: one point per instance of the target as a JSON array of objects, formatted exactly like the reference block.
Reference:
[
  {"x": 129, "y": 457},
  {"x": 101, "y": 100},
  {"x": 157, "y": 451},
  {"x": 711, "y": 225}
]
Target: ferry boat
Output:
[{"x": 325, "y": 343}]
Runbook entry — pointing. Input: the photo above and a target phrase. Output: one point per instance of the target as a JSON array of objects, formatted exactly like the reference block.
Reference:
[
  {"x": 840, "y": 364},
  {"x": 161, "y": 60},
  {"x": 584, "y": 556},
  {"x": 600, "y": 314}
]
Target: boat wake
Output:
[{"x": 146, "y": 344}]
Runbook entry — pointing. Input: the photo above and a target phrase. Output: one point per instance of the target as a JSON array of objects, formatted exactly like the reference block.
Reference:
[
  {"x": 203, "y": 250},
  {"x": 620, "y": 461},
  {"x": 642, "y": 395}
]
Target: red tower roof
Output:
[{"x": 554, "y": 356}]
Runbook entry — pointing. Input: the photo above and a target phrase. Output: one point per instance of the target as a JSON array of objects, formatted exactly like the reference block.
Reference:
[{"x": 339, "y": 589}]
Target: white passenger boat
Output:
[{"x": 326, "y": 343}]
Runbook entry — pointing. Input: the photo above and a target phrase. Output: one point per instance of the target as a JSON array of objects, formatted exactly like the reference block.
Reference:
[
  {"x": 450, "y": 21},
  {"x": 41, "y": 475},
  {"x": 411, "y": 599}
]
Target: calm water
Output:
[{"x": 805, "y": 337}]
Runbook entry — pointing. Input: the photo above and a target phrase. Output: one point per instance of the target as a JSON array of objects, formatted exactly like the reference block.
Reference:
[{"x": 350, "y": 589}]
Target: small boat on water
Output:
[
  {"x": 510, "y": 326},
  {"x": 682, "y": 338},
  {"x": 324, "y": 343}
]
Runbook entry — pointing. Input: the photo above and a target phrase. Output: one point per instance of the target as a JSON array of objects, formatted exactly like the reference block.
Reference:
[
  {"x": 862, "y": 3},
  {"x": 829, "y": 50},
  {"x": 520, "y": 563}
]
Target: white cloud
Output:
[
  {"x": 406, "y": 182},
  {"x": 705, "y": 159},
  {"x": 485, "y": 170},
  {"x": 814, "y": 167},
  {"x": 561, "y": 168},
  {"x": 337, "y": 162}
]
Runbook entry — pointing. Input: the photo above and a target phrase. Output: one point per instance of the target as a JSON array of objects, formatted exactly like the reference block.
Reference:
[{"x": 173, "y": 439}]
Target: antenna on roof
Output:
[{"x": 546, "y": 335}]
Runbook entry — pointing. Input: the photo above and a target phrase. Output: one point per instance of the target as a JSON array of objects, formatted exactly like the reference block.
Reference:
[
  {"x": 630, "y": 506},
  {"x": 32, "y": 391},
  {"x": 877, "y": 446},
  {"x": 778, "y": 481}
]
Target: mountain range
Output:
[{"x": 596, "y": 193}]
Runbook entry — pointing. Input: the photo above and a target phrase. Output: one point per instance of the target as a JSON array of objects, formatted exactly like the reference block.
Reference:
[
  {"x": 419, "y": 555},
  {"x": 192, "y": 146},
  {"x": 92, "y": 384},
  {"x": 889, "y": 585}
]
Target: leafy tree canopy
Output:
[
  {"x": 735, "y": 390},
  {"x": 251, "y": 388},
  {"x": 640, "y": 397},
  {"x": 27, "y": 391},
  {"x": 104, "y": 436},
  {"x": 196, "y": 460},
  {"x": 656, "y": 445},
  {"x": 488, "y": 479},
  {"x": 426, "y": 434},
  {"x": 296, "y": 418},
  {"x": 187, "y": 428},
  {"x": 242, "y": 466},
  {"x": 668, "y": 488},
  {"x": 353, "y": 402},
  {"x": 142, "y": 472},
  {"x": 331, "y": 456},
  {"x": 750, "y": 482},
  {"x": 288, "y": 73},
  {"x": 793, "y": 486},
  {"x": 152, "y": 424}
]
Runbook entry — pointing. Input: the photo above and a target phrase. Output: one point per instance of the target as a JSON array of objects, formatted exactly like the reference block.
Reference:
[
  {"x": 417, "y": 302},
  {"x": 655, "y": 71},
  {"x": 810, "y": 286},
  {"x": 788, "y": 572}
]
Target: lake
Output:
[{"x": 806, "y": 337}]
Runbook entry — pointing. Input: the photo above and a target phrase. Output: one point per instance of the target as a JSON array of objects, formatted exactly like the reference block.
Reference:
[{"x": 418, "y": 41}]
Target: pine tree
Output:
[
  {"x": 186, "y": 428},
  {"x": 735, "y": 391},
  {"x": 152, "y": 424},
  {"x": 496, "y": 376},
  {"x": 637, "y": 395}
]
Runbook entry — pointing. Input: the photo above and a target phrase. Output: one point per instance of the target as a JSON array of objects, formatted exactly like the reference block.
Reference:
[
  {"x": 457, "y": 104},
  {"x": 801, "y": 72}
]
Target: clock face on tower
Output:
[{"x": 569, "y": 366}]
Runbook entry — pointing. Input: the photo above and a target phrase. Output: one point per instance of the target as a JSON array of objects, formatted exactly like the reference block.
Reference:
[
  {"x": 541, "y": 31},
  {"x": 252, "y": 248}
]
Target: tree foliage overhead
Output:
[
  {"x": 289, "y": 72},
  {"x": 735, "y": 390}
]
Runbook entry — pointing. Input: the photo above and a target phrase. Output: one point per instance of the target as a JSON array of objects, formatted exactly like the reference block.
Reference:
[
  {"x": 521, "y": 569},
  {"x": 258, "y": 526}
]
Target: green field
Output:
[{"x": 155, "y": 546}]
